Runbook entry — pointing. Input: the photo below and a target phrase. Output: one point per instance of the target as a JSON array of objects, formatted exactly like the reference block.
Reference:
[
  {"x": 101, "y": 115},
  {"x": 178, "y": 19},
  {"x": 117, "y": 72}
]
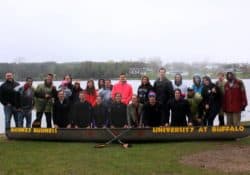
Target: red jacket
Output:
[
  {"x": 235, "y": 99},
  {"x": 90, "y": 98},
  {"x": 126, "y": 91}
]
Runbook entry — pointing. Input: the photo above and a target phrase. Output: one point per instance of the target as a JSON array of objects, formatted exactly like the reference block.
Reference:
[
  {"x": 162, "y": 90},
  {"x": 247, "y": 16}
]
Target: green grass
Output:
[{"x": 33, "y": 157}]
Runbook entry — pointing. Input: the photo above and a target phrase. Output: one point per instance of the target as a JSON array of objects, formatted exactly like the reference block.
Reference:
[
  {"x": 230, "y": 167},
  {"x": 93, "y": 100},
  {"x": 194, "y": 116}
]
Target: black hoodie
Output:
[
  {"x": 118, "y": 114},
  {"x": 213, "y": 99},
  {"x": 164, "y": 90},
  {"x": 8, "y": 95},
  {"x": 143, "y": 91},
  {"x": 80, "y": 114}
]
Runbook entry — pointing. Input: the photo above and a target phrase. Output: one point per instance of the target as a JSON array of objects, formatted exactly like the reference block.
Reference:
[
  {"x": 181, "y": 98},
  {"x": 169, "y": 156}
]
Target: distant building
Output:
[{"x": 183, "y": 73}]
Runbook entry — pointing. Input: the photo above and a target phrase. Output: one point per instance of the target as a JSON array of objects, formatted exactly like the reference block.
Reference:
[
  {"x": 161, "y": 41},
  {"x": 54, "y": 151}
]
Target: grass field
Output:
[{"x": 33, "y": 157}]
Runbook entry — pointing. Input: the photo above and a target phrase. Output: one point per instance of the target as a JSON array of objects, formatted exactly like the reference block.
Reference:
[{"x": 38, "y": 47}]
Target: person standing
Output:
[
  {"x": 144, "y": 89},
  {"x": 45, "y": 94},
  {"x": 221, "y": 84},
  {"x": 105, "y": 93},
  {"x": 68, "y": 79},
  {"x": 27, "y": 102},
  {"x": 211, "y": 101},
  {"x": 75, "y": 92},
  {"x": 101, "y": 84},
  {"x": 178, "y": 84},
  {"x": 61, "y": 109},
  {"x": 10, "y": 100},
  {"x": 235, "y": 99},
  {"x": 90, "y": 93},
  {"x": 163, "y": 89},
  {"x": 65, "y": 88},
  {"x": 123, "y": 88},
  {"x": 197, "y": 84},
  {"x": 134, "y": 112}
]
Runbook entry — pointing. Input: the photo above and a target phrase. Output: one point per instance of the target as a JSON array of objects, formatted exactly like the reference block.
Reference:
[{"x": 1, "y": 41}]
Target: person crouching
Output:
[
  {"x": 152, "y": 112},
  {"x": 61, "y": 109},
  {"x": 81, "y": 113},
  {"x": 180, "y": 110},
  {"x": 118, "y": 113}
]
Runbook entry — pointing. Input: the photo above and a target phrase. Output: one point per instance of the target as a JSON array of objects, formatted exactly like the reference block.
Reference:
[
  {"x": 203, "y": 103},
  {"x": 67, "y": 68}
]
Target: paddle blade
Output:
[{"x": 100, "y": 146}]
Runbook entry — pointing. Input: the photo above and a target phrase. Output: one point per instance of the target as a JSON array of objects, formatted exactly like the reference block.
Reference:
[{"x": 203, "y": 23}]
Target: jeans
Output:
[
  {"x": 48, "y": 118},
  {"x": 27, "y": 114},
  {"x": 10, "y": 110},
  {"x": 233, "y": 119}
]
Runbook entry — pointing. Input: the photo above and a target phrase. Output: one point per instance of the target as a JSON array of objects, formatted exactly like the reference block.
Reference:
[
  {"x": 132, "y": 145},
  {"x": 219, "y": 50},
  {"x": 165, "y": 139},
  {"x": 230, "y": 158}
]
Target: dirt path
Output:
[{"x": 229, "y": 159}]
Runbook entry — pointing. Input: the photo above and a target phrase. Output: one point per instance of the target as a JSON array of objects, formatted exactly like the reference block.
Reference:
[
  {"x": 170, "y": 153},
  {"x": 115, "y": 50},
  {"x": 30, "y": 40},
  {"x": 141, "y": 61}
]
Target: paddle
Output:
[{"x": 115, "y": 137}]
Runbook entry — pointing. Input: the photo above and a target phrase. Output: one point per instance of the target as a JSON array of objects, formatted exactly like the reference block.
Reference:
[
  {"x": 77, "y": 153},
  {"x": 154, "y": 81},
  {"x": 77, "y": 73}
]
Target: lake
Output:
[{"x": 135, "y": 84}]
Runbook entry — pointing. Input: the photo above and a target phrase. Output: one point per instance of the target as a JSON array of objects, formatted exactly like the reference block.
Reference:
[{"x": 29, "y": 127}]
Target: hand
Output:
[
  {"x": 243, "y": 108},
  {"x": 125, "y": 126},
  {"x": 68, "y": 126},
  {"x": 190, "y": 124},
  {"x": 206, "y": 106},
  {"x": 47, "y": 96},
  {"x": 8, "y": 104},
  {"x": 213, "y": 90},
  {"x": 166, "y": 125},
  {"x": 56, "y": 126},
  {"x": 112, "y": 126},
  {"x": 199, "y": 120}
]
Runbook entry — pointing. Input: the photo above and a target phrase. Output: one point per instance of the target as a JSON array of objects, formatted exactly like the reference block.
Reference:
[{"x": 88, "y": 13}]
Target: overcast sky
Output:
[{"x": 102, "y": 30}]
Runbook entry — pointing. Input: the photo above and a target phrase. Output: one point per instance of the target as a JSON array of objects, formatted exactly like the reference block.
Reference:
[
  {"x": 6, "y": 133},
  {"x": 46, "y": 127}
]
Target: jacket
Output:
[
  {"x": 118, "y": 114},
  {"x": 195, "y": 105},
  {"x": 8, "y": 95},
  {"x": 126, "y": 91},
  {"x": 213, "y": 99},
  {"x": 164, "y": 90},
  {"x": 100, "y": 116},
  {"x": 153, "y": 115},
  {"x": 180, "y": 110},
  {"x": 235, "y": 99},
  {"x": 26, "y": 97},
  {"x": 134, "y": 115},
  {"x": 143, "y": 91},
  {"x": 43, "y": 104},
  {"x": 61, "y": 113},
  {"x": 80, "y": 114},
  {"x": 90, "y": 98}
]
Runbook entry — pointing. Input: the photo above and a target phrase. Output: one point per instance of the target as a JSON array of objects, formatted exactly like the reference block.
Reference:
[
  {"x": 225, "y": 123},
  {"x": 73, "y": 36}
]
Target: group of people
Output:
[{"x": 165, "y": 103}]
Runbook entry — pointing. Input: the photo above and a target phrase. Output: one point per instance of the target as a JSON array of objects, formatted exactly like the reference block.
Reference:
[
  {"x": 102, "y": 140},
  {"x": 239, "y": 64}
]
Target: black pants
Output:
[
  {"x": 221, "y": 120},
  {"x": 209, "y": 118},
  {"x": 39, "y": 116}
]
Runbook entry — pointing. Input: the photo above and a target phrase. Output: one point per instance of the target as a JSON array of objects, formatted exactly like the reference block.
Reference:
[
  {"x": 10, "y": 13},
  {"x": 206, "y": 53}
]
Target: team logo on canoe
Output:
[{"x": 204, "y": 129}]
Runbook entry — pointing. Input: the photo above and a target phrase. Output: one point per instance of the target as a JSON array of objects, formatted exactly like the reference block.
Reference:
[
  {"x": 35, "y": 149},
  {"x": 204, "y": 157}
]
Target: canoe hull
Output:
[{"x": 159, "y": 134}]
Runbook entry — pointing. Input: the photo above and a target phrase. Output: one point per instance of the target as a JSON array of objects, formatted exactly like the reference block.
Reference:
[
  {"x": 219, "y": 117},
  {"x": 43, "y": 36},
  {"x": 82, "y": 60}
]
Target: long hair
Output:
[
  {"x": 91, "y": 90},
  {"x": 175, "y": 82},
  {"x": 148, "y": 82}
]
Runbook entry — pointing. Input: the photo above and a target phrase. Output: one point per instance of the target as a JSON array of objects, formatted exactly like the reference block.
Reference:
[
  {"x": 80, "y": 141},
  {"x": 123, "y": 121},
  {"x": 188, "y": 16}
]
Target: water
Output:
[{"x": 135, "y": 84}]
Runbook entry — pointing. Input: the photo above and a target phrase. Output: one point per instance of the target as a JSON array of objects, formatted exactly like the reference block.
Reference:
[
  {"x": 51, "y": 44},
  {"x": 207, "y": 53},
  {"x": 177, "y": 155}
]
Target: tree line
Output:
[
  {"x": 78, "y": 70},
  {"x": 111, "y": 69}
]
